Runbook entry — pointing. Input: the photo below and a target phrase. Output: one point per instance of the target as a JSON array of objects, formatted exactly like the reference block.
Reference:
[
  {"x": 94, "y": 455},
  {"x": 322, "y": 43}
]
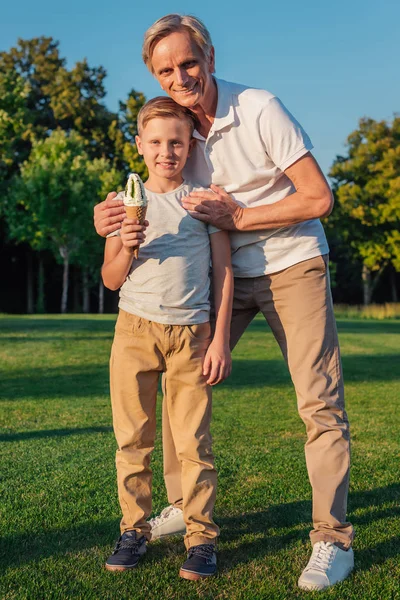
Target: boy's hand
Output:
[
  {"x": 217, "y": 364},
  {"x": 132, "y": 233},
  {"x": 108, "y": 215}
]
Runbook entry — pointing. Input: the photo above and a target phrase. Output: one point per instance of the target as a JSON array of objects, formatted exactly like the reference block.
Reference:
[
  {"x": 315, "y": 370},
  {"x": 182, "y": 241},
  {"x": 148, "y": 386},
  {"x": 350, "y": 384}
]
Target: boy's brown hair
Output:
[{"x": 165, "y": 108}]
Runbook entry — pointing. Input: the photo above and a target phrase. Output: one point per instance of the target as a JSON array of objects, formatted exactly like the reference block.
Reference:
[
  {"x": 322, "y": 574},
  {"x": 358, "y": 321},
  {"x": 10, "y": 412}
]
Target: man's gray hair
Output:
[{"x": 171, "y": 24}]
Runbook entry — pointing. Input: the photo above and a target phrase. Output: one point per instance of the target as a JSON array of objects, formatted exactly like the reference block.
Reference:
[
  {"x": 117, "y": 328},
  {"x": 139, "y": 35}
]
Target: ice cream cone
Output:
[{"x": 136, "y": 212}]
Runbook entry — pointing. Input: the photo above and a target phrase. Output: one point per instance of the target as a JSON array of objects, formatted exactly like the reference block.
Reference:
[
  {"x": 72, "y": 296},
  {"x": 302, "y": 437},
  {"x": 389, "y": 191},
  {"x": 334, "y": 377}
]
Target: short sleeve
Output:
[
  {"x": 114, "y": 234},
  {"x": 211, "y": 229},
  {"x": 284, "y": 139}
]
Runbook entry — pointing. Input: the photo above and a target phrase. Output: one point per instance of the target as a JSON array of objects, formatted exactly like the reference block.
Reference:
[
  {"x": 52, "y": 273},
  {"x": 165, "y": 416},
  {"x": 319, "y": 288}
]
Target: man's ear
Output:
[
  {"x": 211, "y": 60},
  {"x": 139, "y": 144}
]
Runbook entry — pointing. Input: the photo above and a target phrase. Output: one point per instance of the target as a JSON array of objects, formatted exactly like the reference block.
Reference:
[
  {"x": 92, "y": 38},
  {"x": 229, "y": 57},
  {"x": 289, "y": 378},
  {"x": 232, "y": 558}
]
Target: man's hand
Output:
[
  {"x": 216, "y": 207},
  {"x": 108, "y": 215},
  {"x": 217, "y": 364}
]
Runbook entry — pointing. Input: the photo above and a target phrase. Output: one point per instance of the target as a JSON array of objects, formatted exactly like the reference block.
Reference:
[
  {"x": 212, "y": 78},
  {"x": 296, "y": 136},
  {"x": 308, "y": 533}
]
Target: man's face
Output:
[
  {"x": 165, "y": 144},
  {"x": 182, "y": 70}
]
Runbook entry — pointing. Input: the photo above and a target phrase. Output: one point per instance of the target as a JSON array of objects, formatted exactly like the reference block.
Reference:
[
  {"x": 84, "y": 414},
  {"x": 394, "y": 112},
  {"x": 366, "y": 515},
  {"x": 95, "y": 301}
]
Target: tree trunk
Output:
[
  {"x": 40, "y": 303},
  {"x": 86, "y": 290},
  {"x": 101, "y": 296},
  {"x": 393, "y": 277},
  {"x": 366, "y": 279},
  {"x": 370, "y": 283},
  {"x": 64, "y": 298},
  {"x": 76, "y": 291},
  {"x": 29, "y": 283}
]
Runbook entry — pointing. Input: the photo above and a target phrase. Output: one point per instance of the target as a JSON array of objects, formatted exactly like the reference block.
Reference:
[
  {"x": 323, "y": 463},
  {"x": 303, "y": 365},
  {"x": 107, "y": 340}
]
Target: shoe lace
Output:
[
  {"x": 163, "y": 516},
  {"x": 128, "y": 543},
  {"x": 322, "y": 556},
  {"x": 203, "y": 551}
]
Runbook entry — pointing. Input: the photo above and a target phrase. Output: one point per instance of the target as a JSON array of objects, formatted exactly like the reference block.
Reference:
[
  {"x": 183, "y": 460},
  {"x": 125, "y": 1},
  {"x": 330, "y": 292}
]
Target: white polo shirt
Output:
[{"x": 253, "y": 139}]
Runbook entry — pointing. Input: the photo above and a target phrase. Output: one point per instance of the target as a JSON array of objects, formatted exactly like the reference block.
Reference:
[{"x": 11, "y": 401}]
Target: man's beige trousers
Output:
[
  {"x": 141, "y": 351},
  {"x": 297, "y": 305}
]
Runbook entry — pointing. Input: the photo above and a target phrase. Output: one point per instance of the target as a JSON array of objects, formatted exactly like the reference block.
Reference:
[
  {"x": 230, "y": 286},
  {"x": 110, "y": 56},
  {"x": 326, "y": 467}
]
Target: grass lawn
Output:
[{"x": 59, "y": 511}]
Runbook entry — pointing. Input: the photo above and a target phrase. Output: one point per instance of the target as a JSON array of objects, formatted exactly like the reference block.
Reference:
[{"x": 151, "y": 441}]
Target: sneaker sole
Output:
[
  {"x": 312, "y": 587},
  {"x": 119, "y": 568},
  {"x": 194, "y": 576}
]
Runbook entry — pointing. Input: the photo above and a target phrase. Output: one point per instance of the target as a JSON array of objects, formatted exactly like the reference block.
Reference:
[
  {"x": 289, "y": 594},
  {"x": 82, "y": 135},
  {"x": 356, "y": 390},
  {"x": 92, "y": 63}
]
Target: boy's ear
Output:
[
  {"x": 192, "y": 144},
  {"x": 139, "y": 144}
]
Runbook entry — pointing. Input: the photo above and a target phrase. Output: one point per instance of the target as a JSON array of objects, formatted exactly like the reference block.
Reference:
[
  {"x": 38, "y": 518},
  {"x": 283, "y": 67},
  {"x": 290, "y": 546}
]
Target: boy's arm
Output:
[
  {"x": 118, "y": 253},
  {"x": 217, "y": 362}
]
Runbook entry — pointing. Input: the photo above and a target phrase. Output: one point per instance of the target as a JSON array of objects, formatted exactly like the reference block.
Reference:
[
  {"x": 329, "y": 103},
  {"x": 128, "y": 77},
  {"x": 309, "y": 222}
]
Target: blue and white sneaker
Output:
[
  {"x": 201, "y": 562},
  {"x": 127, "y": 552}
]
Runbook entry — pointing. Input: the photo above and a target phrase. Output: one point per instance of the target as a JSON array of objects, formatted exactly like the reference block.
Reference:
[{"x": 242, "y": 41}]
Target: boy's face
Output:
[{"x": 165, "y": 144}]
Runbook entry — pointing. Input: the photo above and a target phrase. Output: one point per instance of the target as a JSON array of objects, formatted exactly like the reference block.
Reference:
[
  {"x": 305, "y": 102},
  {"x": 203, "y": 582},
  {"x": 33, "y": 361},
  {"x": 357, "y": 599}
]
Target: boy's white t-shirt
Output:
[{"x": 169, "y": 282}]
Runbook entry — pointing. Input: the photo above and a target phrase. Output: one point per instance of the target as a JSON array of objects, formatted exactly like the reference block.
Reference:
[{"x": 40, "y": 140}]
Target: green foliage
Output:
[
  {"x": 72, "y": 99},
  {"x": 123, "y": 131},
  {"x": 50, "y": 204},
  {"x": 367, "y": 188},
  {"x": 13, "y": 118}
]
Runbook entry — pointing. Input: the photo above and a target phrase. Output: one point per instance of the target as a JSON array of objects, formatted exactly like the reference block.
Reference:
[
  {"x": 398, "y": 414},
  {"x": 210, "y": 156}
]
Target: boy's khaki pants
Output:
[
  {"x": 297, "y": 305},
  {"x": 141, "y": 351}
]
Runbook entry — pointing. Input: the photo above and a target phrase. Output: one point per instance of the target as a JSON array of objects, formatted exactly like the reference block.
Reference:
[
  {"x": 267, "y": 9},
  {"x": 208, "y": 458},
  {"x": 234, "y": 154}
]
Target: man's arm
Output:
[
  {"x": 312, "y": 200},
  {"x": 217, "y": 363},
  {"x": 108, "y": 215}
]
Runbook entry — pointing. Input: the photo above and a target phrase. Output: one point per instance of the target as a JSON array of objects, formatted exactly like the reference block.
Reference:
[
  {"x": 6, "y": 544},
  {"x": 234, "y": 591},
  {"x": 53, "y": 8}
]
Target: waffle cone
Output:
[{"x": 136, "y": 212}]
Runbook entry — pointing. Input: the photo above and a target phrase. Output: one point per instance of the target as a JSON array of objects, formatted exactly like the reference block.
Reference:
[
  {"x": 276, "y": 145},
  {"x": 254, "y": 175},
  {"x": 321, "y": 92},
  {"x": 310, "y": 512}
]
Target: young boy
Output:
[{"x": 163, "y": 327}]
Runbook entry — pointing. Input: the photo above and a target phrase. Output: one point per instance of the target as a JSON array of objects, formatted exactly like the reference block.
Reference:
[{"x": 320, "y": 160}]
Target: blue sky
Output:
[{"x": 330, "y": 63}]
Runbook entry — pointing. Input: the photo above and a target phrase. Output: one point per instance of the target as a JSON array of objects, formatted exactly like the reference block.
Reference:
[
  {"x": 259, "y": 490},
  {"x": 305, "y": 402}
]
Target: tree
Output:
[
  {"x": 58, "y": 97},
  {"x": 366, "y": 184},
  {"x": 124, "y": 130},
  {"x": 13, "y": 117},
  {"x": 50, "y": 204},
  {"x": 39, "y": 95}
]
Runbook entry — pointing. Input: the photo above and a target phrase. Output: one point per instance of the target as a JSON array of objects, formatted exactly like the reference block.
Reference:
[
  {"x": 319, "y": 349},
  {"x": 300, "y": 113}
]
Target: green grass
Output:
[{"x": 59, "y": 509}]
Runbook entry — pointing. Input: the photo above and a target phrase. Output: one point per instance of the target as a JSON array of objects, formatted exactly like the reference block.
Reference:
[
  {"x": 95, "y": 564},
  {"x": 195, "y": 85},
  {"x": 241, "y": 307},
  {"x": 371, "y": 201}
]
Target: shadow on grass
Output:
[
  {"x": 31, "y": 325},
  {"x": 365, "y": 326},
  {"x": 46, "y": 433},
  {"x": 356, "y": 367},
  {"x": 67, "y": 337},
  {"x": 89, "y": 380},
  {"x": 56, "y": 382},
  {"x": 293, "y": 516},
  {"x": 360, "y": 326}
]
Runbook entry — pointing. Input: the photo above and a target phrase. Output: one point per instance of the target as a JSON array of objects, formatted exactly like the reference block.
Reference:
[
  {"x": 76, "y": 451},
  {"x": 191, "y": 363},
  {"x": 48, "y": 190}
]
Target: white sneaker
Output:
[
  {"x": 169, "y": 522},
  {"x": 328, "y": 565}
]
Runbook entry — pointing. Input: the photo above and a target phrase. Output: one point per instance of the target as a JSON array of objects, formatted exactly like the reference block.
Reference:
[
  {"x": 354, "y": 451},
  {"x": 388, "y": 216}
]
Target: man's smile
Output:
[{"x": 186, "y": 90}]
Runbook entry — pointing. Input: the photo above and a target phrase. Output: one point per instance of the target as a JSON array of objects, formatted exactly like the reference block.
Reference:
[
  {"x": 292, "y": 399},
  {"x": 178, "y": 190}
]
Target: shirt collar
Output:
[{"x": 225, "y": 114}]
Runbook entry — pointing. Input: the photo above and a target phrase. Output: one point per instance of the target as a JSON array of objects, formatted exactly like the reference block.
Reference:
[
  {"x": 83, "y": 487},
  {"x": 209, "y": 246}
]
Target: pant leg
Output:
[
  {"x": 244, "y": 308},
  {"x": 243, "y": 312},
  {"x": 172, "y": 465},
  {"x": 189, "y": 407},
  {"x": 135, "y": 366},
  {"x": 297, "y": 304}
]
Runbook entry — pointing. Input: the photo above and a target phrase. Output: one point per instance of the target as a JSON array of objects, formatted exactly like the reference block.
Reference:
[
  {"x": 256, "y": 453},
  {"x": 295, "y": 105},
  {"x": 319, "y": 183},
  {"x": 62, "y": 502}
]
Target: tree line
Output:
[{"x": 62, "y": 150}]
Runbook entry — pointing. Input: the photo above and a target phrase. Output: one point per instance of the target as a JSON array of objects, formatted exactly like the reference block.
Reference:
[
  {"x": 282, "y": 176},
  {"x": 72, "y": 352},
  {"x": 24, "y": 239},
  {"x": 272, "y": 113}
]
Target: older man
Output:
[{"x": 268, "y": 191}]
